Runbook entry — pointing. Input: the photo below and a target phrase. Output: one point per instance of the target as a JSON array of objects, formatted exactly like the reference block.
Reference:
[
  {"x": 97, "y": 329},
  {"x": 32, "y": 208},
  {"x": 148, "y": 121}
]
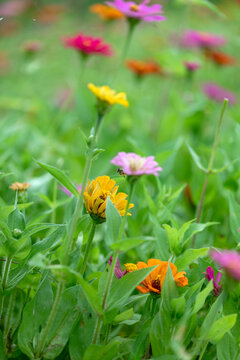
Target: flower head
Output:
[
  {"x": 20, "y": 186},
  {"x": 191, "y": 66},
  {"x": 229, "y": 260},
  {"x": 68, "y": 193},
  {"x": 106, "y": 12},
  {"x": 139, "y": 12},
  {"x": 200, "y": 39},
  {"x": 96, "y": 194},
  {"x": 220, "y": 58},
  {"x": 210, "y": 276},
  {"x": 217, "y": 93},
  {"x": 133, "y": 164},
  {"x": 32, "y": 47},
  {"x": 118, "y": 271},
  {"x": 88, "y": 45},
  {"x": 108, "y": 96},
  {"x": 141, "y": 68},
  {"x": 154, "y": 281}
]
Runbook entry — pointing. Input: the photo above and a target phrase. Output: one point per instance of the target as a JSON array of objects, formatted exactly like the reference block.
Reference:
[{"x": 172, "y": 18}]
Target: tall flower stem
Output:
[
  {"x": 131, "y": 26},
  {"x": 112, "y": 268},
  {"x": 210, "y": 168},
  {"x": 88, "y": 247},
  {"x": 79, "y": 205},
  {"x": 5, "y": 274}
]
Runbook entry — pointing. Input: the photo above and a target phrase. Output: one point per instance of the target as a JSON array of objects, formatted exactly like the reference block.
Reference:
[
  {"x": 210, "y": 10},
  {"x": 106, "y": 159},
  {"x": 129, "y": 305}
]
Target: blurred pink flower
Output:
[
  {"x": 191, "y": 66},
  {"x": 191, "y": 38},
  {"x": 138, "y": 11},
  {"x": 229, "y": 260},
  {"x": 133, "y": 164},
  {"x": 210, "y": 276},
  {"x": 32, "y": 46},
  {"x": 118, "y": 271},
  {"x": 14, "y": 7},
  {"x": 88, "y": 45},
  {"x": 217, "y": 93},
  {"x": 68, "y": 193}
]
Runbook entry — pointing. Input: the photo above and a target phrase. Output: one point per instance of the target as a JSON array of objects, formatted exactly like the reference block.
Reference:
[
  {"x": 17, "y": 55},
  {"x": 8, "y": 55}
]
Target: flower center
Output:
[
  {"x": 86, "y": 42},
  {"x": 134, "y": 7},
  {"x": 156, "y": 284},
  {"x": 136, "y": 164}
]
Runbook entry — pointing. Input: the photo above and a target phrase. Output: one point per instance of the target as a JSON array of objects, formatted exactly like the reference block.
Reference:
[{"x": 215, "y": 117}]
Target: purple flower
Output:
[
  {"x": 217, "y": 93},
  {"x": 198, "y": 39},
  {"x": 118, "y": 271},
  {"x": 133, "y": 164},
  {"x": 229, "y": 260},
  {"x": 79, "y": 189},
  {"x": 210, "y": 276},
  {"x": 138, "y": 11},
  {"x": 191, "y": 66}
]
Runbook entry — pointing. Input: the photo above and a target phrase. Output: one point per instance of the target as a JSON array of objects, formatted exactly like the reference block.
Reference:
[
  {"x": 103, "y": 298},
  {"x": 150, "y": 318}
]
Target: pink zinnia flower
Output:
[
  {"x": 139, "y": 11},
  {"x": 217, "y": 93},
  {"x": 118, "y": 271},
  {"x": 88, "y": 45},
  {"x": 191, "y": 66},
  {"x": 200, "y": 39},
  {"x": 68, "y": 193},
  {"x": 133, "y": 164},
  {"x": 210, "y": 276},
  {"x": 229, "y": 260}
]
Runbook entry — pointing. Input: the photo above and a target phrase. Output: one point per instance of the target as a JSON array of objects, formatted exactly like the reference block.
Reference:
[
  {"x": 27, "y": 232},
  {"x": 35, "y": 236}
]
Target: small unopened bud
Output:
[
  {"x": 90, "y": 139},
  {"x": 17, "y": 233}
]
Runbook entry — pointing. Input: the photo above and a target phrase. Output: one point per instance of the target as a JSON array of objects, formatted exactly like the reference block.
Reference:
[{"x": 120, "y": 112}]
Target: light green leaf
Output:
[
  {"x": 129, "y": 243},
  {"x": 126, "y": 315},
  {"x": 234, "y": 217},
  {"x": 196, "y": 159},
  {"x": 220, "y": 327},
  {"x": 189, "y": 256},
  {"x": 201, "y": 297},
  {"x": 113, "y": 222}
]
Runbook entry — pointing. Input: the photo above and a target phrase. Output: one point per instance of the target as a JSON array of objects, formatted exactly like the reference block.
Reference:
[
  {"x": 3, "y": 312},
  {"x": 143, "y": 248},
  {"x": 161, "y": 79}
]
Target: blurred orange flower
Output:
[
  {"x": 154, "y": 281},
  {"x": 141, "y": 68},
  {"x": 220, "y": 58},
  {"x": 20, "y": 186},
  {"x": 106, "y": 12}
]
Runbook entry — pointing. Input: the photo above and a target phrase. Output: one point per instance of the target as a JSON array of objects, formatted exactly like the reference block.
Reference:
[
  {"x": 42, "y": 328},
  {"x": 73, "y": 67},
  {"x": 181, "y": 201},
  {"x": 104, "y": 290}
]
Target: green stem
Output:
[
  {"x": 8, "y": 318},
  {"x": 88, "y": 247},
  {"x": 54, "y": 201},
  {"x": 41, "y": 346},
  {"x": 210, "y": 168},
  {"x": 79, "y": 205},
  {"x": 203, "y": 351},
  {"x": 107, "y": 334},
  {"x": 112, "y": 268},
  {"x": 6, "y": 272}
]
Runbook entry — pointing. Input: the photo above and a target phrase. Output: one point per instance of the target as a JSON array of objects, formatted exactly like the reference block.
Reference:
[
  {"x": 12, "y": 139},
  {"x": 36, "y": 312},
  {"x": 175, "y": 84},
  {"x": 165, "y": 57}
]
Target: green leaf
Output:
[
  {"x": 220, "y": 327},
  {"x": 91, "y": 295},
  {"x": 60, "y": 177},
  {"x": 102, "y": 352},
  {"x": 211, "y": 316},
  {"x": 5, "y": 230},
  {"x": 196, "y": 159},
  {"x": 49, "y": 242},
  {"x": 193, "y": 229},
  {"x": 234, "y": 217},
  {"x": 122, "y": 288},
  {"x": 201, "y": 297},
  {"x": 113, "y": 222},
  {"x": 178, "y": 305},
  {"x": 204, "y": 3},
  {"x": 16, "y": 220},
  {"x": 129, "y": 243},
  {"x": 226, "y": 348},
  {"x": 126, "y": 315},
  {"x": 169, "y": 291},
  {"x": 173, "y": 238},
  {"x": 189, "y": 256},
  {"x": 2, "y": 352}
]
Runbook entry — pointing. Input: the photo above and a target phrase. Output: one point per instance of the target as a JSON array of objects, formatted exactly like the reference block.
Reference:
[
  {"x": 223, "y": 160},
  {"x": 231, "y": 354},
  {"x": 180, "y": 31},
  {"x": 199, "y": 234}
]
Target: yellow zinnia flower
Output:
[
  {"x": 96, "y": 194},
  {"x": 109, "y": 96}
]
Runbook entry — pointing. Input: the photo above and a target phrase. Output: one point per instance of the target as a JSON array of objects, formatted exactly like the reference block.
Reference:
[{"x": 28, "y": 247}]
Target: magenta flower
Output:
[
  {"x": 133, "y": 164},
  {"x": 88, "y": 45},
  {"x": 68, "y": 193},
  {"x": 118, "y": 271},
  {"x": 217, "y": 93},
  {"x": 198, "y": 39},
  {"x": 229, "y": 260},
  {"x": 210, "y": 276},
  {"x": 138, "y": 11},
  {"x": 191, "y": 66}
]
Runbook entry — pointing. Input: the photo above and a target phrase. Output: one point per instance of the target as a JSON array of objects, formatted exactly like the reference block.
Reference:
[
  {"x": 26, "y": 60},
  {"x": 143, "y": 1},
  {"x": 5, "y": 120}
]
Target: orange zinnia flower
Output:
[
  {"x": 154, "y": 281},
  {"x": 106, "y": 12},
  {"x": 141, "y": 68},
  {"x": 220, "y": 58}
]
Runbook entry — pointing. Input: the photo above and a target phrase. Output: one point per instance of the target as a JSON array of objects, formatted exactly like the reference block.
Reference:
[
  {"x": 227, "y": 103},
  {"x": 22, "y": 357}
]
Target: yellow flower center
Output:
[
  {"x": 136, "y": 165},
  {"x": 134, "y": 7},
  {"x": 130, "y": 267}
]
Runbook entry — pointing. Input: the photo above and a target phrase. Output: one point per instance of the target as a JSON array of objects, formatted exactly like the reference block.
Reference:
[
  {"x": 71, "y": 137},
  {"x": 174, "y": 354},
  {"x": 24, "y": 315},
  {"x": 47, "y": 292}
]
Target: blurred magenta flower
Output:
[
  {"x": 210, "y": 276},
  {"x": 88, "y": 45},
  {"x": 68, "y": 193},
  {"x": 191, "y": 65},
  {"x": 133, "y": 164},
  {"x": 191, "y": 38},
  {"x": 217, "y": 93},
  {"x": 14, "y": 7},
  {"x": 229, "y": 260},
  {"x": 118, "y": 271},
  {"x": 139, "y": 12}
]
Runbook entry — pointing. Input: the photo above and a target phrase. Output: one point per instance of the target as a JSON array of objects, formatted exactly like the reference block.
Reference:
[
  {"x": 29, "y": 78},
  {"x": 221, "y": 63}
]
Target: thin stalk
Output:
[
  {"x": 88, "y": 247},
  {"x": 8, "y": 317},
  {"x": 210, "y": 168},
  {"x": 127, "y": 41},
  {"x": 203, "y": 351},
  {"x": 6, "y": 272},
  {"x": 107, "y": 334},
  {"x": 111, "y": 272},
  {"x": 78, "y": 210},
  {"x": 41, "y": 346}
]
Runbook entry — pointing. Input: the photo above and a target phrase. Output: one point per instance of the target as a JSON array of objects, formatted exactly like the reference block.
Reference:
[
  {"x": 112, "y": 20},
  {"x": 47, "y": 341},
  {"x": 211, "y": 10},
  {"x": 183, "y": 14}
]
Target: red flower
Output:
[
  {"x": 141, "y": 68},
  {"x": 220, "y": 58},
  {"x": 88, "y": 45}
]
